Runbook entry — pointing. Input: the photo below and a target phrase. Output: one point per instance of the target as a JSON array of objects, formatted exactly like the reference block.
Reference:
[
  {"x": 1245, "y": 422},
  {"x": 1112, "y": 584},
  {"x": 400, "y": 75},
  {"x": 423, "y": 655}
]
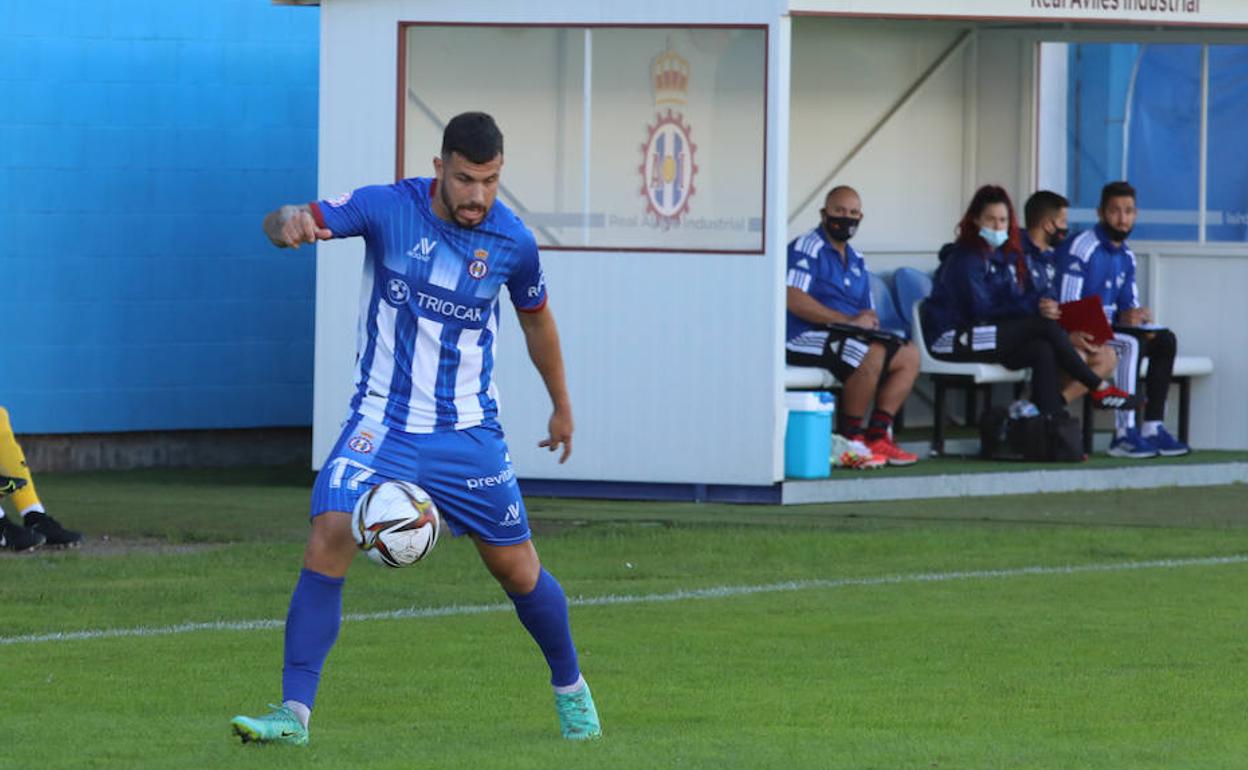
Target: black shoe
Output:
[
  {"x": 17, "y": 538},
  {"x": 1114, "y": 398},
  {"x": 57, "y": 536},
  {"x": 10, "y": 484}
]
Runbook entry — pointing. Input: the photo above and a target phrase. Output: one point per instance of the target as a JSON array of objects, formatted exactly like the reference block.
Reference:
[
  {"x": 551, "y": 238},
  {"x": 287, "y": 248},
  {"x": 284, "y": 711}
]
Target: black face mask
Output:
[
  {"x": 1118, "y": 236},
  {"x": 1057, "y": 236},
  {"x": 841, "y": 228}
]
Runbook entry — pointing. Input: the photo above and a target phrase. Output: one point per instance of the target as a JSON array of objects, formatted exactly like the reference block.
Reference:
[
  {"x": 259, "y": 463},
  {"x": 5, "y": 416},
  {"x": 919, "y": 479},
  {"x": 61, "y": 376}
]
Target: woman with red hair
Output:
[{"x": 991, "y": 303}]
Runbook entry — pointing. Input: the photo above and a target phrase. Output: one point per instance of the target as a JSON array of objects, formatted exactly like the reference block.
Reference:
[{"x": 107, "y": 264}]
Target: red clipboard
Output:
[{"x": 1086, "y": 315}]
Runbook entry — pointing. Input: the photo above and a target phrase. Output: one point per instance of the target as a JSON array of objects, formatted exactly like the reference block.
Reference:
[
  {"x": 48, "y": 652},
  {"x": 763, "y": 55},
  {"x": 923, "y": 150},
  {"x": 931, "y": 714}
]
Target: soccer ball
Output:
[{"x": 396, "y": 523}]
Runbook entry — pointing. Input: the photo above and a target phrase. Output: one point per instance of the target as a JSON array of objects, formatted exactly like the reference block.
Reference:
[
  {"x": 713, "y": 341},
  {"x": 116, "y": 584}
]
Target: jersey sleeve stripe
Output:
[
  {"x": 1085, "y": 243},
  {"x": 535, "y": 309},
  {"x": 811, "y": 244},
  {"x": 317, "y": 215},
  {"x": 799, "y": 279},
  {"x": 1072, "y": 288}
]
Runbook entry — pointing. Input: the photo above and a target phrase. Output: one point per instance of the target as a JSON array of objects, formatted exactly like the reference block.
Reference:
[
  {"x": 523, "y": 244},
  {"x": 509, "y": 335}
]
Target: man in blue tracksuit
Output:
[
  {"x": 1099, "y": 262},
  {"x": 1046, "y": 218},
  {"x": 828, "y": 293}
]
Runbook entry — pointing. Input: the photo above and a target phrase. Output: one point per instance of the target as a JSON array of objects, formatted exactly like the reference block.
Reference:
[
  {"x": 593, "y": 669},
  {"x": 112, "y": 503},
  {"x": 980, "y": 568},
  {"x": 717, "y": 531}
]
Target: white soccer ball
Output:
[{"x": 396, "y": 523}]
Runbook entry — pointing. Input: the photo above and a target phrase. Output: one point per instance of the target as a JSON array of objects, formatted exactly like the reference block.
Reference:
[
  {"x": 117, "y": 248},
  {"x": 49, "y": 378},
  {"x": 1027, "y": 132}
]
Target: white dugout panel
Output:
[
  {"x": 672, "y": 361},
  {"x": 675, "y": 359}
]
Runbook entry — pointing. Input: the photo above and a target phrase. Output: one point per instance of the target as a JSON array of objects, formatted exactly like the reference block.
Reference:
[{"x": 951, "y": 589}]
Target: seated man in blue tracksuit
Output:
[
  {"x": 1099, "y": 262},
  {"x": 991, "y": 303},
  {"x": 1046, "y": 217},
  {"x": 828, "y": 283}
]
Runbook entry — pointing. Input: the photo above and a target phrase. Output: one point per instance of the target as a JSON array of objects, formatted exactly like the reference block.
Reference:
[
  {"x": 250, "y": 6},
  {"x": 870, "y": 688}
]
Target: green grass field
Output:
[{"x": 881, "y": 635}]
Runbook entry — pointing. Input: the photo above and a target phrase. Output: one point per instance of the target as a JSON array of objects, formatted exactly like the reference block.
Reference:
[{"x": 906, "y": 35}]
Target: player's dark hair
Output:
[
  {"x": 473, "y": 135},
  {"x": 1041, "y": 204},
  {"x": 1121, "y": 189}
]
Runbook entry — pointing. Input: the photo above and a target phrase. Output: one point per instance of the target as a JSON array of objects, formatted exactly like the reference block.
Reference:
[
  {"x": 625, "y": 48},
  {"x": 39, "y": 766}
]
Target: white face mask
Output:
[{"x": 995, "y": 238}]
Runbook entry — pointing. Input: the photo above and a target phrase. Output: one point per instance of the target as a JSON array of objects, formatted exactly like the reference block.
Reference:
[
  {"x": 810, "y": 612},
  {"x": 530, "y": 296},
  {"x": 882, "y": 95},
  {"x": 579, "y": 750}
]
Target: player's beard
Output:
[{"x": 454, "y": 210}]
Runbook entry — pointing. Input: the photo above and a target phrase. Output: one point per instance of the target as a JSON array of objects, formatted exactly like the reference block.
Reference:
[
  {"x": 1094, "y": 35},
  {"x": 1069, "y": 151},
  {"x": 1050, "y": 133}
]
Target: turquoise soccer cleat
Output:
[
  {"x": 578, "y": 718},
  {"x": 278, "y": 726}
]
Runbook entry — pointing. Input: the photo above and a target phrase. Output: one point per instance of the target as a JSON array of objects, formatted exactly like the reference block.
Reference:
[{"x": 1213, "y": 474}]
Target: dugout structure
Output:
[{"x": 666, "y": 152}]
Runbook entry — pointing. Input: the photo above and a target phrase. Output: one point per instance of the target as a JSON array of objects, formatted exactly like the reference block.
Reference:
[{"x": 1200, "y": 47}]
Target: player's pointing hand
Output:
[{"x": 294, "y": 226}]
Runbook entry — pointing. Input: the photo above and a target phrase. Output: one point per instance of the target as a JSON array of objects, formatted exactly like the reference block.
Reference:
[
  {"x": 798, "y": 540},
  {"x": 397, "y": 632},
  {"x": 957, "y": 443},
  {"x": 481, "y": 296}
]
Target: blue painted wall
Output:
[
  {"x": 1099, "y": 76},
  {"x": 1163, "y": 162},
  {"x": 141, "y": 143}
]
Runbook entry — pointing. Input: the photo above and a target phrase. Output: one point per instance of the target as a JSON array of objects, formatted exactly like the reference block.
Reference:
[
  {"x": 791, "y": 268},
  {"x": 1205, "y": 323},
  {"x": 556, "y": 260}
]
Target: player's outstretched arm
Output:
[
  {"x": 542, "y": 338},
  {"x": 293, "y": 226}
]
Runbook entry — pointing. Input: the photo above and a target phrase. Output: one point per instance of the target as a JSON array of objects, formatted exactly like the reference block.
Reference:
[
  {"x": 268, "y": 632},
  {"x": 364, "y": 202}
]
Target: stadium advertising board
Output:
[{"x": 1177, "y": 12}]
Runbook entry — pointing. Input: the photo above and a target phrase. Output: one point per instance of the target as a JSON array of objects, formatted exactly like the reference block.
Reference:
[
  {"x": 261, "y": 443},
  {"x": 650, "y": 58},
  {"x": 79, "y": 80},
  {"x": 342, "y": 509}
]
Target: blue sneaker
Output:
[
  {"x": 1133, "y": 445},
  {"x": 1167, "y": 445},
  {"x": 278, "y": 726},
  {"x": 578, "y": 718}
]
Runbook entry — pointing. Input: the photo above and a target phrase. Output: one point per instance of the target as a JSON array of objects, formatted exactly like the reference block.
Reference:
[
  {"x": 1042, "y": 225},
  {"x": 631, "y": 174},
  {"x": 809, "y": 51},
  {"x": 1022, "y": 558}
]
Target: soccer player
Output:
[
  {"x": 1099, "y": 262},
  {"x": 1046, "y": 216},
  {"x": 35, "y": 527},
  {"x": 437, "y": 254},
  {"x": 828, "y": 283}
]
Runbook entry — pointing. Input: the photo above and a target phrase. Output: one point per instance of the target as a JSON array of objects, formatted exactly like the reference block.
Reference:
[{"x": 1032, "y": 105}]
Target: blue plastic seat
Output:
[
  {"x": 886, "y": 308},
  {"x": 911, "y": 286}
]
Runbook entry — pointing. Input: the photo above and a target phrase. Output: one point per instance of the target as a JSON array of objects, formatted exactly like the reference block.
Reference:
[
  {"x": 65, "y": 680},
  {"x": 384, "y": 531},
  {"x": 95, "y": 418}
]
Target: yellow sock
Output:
[{"x": 13, "y": 463}]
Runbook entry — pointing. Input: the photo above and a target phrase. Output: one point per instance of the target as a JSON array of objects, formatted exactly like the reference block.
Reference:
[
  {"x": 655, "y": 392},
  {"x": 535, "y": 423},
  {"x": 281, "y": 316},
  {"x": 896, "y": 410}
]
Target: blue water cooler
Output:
[{"x": 808, "y": 435}]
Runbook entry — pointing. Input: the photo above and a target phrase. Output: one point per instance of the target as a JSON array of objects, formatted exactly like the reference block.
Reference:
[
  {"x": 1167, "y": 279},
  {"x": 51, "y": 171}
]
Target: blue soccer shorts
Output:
[{"x": 468, "y": 473}]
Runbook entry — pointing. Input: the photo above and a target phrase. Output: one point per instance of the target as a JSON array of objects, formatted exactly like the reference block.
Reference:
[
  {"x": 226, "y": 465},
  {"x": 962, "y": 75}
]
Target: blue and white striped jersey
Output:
[
  {"x": 1091, "y": 264},
  {"x": 429, "y": 304},
  {"x": 817, "y": 269}
]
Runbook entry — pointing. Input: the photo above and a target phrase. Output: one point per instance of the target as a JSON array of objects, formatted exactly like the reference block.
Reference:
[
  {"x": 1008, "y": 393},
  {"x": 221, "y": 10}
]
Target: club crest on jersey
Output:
[
  {"x": 341, "y": 200},
  {"x": 667, "y": 156},
  {"x": 477, "y": 268},
  {"x": 397, "y": 291},
  {"x": 361, "y": 442}
]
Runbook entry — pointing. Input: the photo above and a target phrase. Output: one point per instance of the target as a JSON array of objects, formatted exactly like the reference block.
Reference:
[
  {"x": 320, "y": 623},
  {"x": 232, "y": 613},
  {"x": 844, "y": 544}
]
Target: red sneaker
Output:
[
  {"x": 1113, "y": 397},
  {"x": 884, "y": 447}
]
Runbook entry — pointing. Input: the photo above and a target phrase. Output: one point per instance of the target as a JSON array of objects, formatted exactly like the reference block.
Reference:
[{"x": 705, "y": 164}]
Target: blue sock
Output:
[
  {"x": 544, "y": 612},
  {"x": 311, "y": 628}
]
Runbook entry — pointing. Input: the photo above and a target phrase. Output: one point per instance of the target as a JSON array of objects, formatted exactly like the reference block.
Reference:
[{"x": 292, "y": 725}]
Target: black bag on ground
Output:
[
  {"x": 1051, "y": 438},
  {"x": 1065, "y": 439},
  {"x": 993, "y": 428}
]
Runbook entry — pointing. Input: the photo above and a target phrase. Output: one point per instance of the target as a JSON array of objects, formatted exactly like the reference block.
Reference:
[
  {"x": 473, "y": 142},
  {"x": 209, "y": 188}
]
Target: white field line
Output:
[{"x": 717, "y": 592}]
